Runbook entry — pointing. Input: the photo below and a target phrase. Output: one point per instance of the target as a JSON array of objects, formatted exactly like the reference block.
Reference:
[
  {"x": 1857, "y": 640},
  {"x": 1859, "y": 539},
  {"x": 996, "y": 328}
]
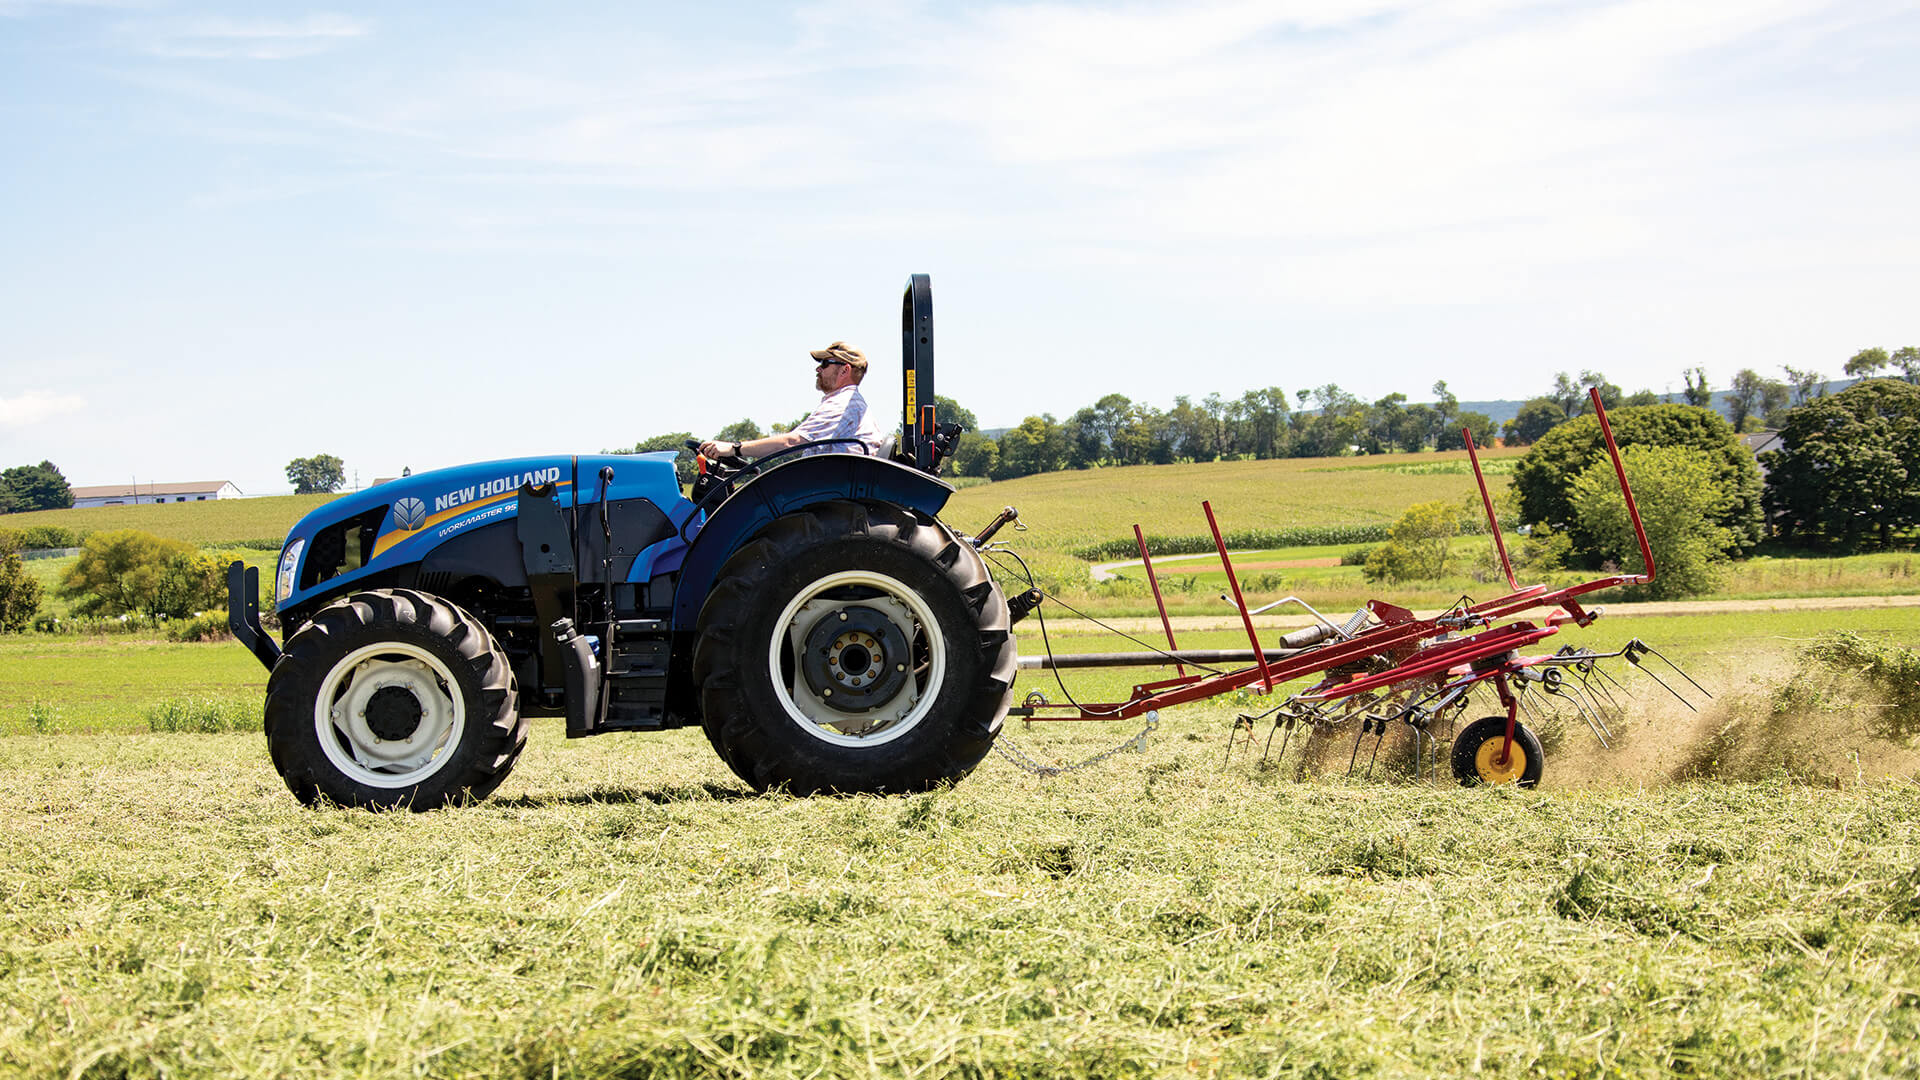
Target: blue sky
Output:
[{"x": 434, "y": 233}]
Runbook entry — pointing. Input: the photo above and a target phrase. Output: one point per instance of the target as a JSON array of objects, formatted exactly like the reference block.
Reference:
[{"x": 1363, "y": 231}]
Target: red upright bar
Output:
[
  {"x": 1165, "y": 622},
  {"x": 1252, "y": 638}
]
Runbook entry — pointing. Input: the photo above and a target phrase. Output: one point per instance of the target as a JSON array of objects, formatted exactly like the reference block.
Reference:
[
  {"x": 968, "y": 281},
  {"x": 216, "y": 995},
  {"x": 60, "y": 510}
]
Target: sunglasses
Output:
[{"x": 829, "y": 363}]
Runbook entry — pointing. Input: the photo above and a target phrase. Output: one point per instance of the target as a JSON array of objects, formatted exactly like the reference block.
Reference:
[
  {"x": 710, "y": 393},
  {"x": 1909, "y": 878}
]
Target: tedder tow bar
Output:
[{"x": 1385, "y": 663}]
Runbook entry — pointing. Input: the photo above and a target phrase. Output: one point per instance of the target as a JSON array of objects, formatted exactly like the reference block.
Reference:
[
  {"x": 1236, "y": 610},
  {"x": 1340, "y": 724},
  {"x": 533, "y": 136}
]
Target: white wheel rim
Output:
[
  {"x": 878, "y": 724},
  {"x": 340, "y": 720}
]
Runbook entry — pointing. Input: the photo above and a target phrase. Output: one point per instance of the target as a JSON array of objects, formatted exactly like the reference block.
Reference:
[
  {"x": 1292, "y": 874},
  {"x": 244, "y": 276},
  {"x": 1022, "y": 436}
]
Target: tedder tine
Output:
[{"x": 1644, "y": 647}]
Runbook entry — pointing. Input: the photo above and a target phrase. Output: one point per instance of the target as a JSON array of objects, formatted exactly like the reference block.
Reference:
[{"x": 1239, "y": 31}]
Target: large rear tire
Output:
[
  {"x": 393, "y": 698},
  {"x": 854, "y": 648}
]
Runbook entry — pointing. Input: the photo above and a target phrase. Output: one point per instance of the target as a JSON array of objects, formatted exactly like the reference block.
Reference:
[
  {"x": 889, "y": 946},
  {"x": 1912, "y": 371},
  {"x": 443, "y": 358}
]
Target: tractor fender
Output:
[{"x": 784, "y": 489}]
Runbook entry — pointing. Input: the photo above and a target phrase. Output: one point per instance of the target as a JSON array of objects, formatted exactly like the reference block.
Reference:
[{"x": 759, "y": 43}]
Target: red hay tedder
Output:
[{"x": 1386, "y": 664}]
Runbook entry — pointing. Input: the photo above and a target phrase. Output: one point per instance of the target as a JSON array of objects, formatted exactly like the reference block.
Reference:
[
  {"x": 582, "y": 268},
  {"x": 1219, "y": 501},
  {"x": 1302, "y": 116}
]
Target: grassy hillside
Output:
[
  {"x": 1066, "y": 509},
  {"x": 220, "y": 521}
]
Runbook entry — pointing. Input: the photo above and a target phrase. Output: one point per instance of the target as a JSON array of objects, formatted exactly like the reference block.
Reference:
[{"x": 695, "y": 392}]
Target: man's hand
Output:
[{"x": 712, "y": 452}]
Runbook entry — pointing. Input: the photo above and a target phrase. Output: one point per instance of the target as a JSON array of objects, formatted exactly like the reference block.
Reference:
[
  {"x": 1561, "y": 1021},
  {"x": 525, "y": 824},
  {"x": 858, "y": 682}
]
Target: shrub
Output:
[
  {"x": 1679, "y": 502},
  {"x": 1543, "y": 480},
  {"x": 19, "y": 591},
  {"x": 42, "y": 537},
  {"x": 1420, "y": 546},
  {"x": 206, "y": 626},
  {"x": 121, "y": 571},
  {"x": 190, "y": 584},
  {"x": 1357, "y": 556}
]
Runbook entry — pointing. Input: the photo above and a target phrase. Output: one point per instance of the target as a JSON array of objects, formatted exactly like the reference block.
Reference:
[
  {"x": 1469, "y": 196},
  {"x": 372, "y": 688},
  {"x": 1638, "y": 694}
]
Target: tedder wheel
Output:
[
  {"x": 854, "y": 648},
  {"x": 393, "y": 698},
  {"x": 1476, "y": 754}
]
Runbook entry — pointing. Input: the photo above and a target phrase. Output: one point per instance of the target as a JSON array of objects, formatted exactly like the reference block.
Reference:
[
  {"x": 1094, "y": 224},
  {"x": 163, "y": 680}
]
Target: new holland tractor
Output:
[{"x": 808, "y": 610}]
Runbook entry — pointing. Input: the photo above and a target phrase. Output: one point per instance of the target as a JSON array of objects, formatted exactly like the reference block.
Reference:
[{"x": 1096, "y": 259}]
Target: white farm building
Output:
[{"x": 130, "y": 494}]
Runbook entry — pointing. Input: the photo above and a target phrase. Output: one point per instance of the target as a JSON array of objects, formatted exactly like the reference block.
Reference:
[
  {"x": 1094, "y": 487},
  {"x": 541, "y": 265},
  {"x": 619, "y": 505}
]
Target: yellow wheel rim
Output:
[{"x": 1486, "y": 761}]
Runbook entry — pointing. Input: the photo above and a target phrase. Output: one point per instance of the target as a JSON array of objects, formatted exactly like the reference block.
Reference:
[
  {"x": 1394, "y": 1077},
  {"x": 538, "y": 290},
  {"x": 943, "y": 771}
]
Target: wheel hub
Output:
[
  {"x": 855, "y": 658},
  {"x": 393, "y": 712}
]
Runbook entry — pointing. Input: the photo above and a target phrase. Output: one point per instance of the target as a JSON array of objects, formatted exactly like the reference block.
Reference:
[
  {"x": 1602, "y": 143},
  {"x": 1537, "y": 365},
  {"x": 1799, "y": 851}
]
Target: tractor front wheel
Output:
[
  {"x": 393, "y": 698},
  {"x": 1477, "y": 757},
  {"x": 854, "y": 648}
]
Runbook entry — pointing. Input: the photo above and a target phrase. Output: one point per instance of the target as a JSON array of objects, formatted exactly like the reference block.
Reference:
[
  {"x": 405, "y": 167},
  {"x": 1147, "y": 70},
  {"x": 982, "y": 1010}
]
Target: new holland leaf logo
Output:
[{"x": 409, "y": 513}]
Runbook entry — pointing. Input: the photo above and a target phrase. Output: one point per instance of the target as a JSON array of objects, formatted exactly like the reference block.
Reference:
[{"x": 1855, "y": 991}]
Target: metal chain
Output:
[{"x": 1006, "y": 748}]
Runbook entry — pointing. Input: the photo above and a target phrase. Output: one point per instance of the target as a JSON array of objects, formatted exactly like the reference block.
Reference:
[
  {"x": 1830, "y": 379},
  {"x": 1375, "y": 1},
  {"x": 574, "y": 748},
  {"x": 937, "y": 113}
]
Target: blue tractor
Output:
[{"x": 809, "y": 611}]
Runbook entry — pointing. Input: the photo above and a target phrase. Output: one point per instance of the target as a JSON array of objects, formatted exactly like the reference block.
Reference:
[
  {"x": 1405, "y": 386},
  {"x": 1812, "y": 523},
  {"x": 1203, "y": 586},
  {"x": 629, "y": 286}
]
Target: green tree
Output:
[
  {"x": 1847, "y": 473},
  {"x": 120, "y": 572},
  {"x": 1698, "y": 393},
  {"x": 1610, "y": 395},
  {"x": 1678, "y": 497},
  {"x": 1419, "y": 547},
  {"x": 1750, "y": 396},
  {"x": 1864, "y": 363},
  {"x": 1806, "y": 385},
  {"x": 948, "y": 411},
  {"x": 1543, "y": 478},
  {"x": 738, "y": 431},
  {"x": 317, "y": 474},
  {"x": 1537, "y": 417},
  {"x": 34, "y": 487},
  {"x": 1038, "y": 445},
  {"x": 1906, "y": 358},
  {"x": 1382, "y": 424},
  {"x": 19, "y": 590},
  {"x": 1479, "y": 423},
  {"x": 684, "y": 470},
  {"x": 975, "y": 455}
]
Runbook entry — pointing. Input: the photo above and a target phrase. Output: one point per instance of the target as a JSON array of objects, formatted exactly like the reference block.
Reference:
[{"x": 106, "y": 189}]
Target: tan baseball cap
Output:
[{"x": 844, "y": 353}]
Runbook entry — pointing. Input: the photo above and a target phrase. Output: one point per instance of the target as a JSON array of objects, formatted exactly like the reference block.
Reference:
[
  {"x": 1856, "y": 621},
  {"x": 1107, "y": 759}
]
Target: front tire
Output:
[
  {"x": 1476, "y": 754},
  {"x": 854, "y": 648},
  {"x": 393, "y": 698}
]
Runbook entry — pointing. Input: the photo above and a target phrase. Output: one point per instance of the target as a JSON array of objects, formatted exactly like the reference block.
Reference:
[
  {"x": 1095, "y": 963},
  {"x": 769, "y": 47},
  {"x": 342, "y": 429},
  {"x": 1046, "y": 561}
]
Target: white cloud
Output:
[
  {"x": 35, "y": 406},
  {"x": 236, "y": 39}
]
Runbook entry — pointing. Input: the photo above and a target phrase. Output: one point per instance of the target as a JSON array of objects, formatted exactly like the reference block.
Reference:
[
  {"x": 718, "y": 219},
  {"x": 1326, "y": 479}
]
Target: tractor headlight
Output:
[{"x": 289, "y": 562}]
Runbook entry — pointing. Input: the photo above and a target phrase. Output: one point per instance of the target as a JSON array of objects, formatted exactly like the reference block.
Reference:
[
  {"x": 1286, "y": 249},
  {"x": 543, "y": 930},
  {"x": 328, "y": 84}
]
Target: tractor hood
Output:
[{"x": 398, "y": 522}]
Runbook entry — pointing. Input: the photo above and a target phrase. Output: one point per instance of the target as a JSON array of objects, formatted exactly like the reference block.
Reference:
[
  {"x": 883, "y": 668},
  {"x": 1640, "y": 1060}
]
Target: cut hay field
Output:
[{"x": 624, "y": 907}]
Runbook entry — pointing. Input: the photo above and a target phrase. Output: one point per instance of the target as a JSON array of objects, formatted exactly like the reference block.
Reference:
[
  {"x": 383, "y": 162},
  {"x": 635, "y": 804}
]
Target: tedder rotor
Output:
[{"x": 1385, "y": 664}]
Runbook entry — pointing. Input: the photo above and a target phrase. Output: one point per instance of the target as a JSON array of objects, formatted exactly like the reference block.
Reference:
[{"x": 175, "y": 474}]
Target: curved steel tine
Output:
[
  {"x": 1663, "y": 685},
  {"x": 1596, "y": 691},
  {"x": 1676, "y": 667},
  {"x": 1592, "y": 717},
  {"x": 1598, "y": 721}
]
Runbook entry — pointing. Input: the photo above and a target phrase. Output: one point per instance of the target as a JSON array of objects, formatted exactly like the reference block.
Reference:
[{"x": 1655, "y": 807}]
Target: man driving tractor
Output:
[{"x": 840, "y": 415}]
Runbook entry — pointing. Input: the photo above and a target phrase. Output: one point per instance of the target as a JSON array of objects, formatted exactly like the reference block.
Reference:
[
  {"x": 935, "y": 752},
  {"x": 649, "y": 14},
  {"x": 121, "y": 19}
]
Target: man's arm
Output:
[{"x": 753, "y": 448}]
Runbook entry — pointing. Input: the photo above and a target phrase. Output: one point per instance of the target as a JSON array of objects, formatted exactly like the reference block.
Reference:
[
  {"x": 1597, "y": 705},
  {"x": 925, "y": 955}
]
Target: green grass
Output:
[
  {"x": 107, "y": 684},
  {"x": 1066, "y": 509}
]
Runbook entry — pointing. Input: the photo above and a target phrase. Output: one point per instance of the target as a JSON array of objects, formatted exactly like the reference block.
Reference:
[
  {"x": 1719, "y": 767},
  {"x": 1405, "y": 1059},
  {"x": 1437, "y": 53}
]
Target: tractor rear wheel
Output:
[
  {"x": 1476, "y": 754},
  {"x": 854, "y": 648},
  {"x": 393, "y": 698}
]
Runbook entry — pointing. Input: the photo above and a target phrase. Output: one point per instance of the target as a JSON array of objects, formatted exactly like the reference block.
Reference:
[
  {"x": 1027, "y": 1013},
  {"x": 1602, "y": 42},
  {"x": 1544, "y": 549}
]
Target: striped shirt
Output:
[{"x": 840, "y": 415}]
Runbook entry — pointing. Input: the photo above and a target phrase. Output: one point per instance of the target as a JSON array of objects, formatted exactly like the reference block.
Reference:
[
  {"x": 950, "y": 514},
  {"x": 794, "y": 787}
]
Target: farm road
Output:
[{"x": 1230, "y": 621}]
